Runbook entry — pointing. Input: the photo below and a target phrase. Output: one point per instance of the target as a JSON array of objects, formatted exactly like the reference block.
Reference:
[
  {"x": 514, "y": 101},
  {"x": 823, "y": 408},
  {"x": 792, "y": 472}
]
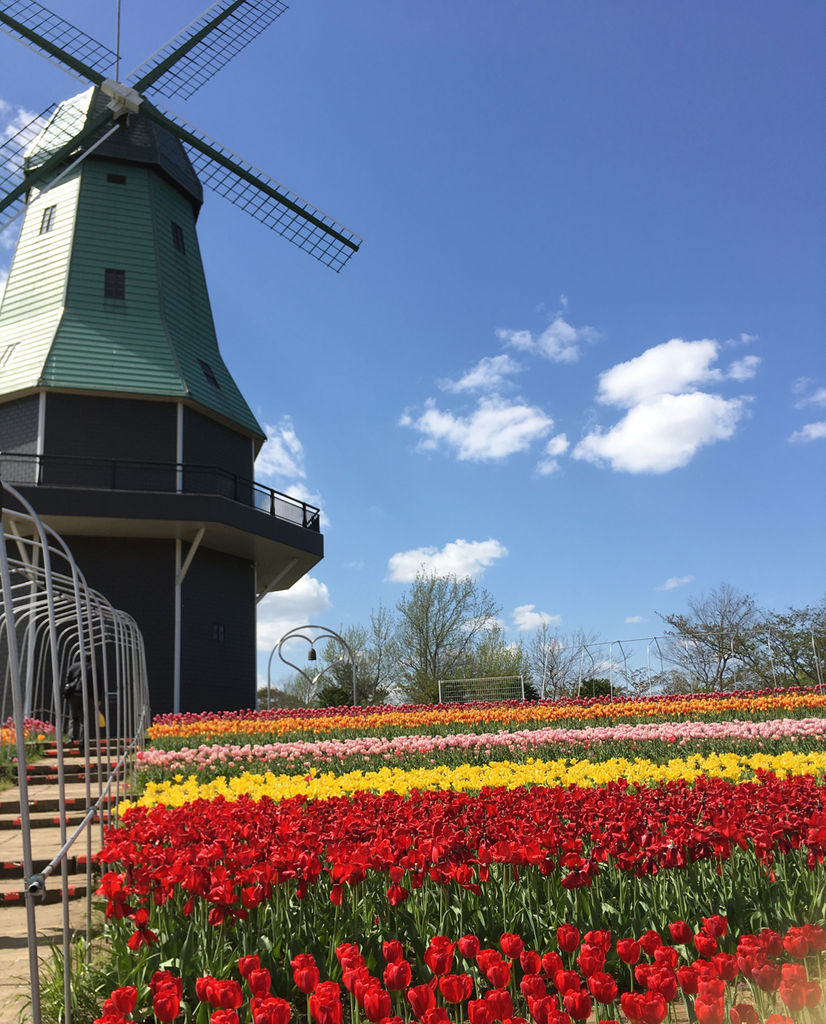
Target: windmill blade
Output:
[
  {"x": 12, "y": 156},
  {"x": 263, "y": 198},
  {"x": 57, "y": 40},
  {"x": 44, "y": 147},
  {"x": 192, "y": 57}
]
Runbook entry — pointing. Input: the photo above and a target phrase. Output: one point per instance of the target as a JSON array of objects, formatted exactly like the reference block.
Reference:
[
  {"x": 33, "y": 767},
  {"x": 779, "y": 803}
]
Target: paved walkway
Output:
[{"x": 43, "y": 792}]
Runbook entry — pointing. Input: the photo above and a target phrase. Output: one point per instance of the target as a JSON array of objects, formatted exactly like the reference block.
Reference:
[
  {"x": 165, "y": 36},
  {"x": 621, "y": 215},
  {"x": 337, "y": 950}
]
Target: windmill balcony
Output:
[
  {"x": 119, "y": 498},
  {"x": 84, "y": 473}
]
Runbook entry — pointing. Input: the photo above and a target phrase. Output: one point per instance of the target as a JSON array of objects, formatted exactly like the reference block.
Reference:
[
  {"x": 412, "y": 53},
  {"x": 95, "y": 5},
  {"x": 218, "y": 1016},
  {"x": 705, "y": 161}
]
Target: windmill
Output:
[{"x": 119, "y": 420}]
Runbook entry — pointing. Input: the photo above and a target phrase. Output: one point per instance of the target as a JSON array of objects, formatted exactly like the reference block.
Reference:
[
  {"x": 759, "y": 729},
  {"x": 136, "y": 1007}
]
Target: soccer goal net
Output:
[{"x": 484, "y": 688}]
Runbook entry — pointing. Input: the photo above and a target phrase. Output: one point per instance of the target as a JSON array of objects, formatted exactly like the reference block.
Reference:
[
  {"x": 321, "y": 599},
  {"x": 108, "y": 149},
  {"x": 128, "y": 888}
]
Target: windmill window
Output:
[
  {"x": 47, "y": 220},
  {"x": 114, "y": 284},
  {"x": 5, "y": 356},
  {"x": 209, "y": 373},
  {"x": 218, "y": 632},
  {"x": 116, "y": 179},
  {"x": 178, "y": 237}
]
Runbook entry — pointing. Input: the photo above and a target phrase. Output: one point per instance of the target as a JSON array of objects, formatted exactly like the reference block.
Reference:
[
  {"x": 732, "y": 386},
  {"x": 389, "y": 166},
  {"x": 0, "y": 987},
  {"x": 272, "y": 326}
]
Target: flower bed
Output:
[
  {"x": 763, "y": 976},
  {"x": 340, "y": 847}
]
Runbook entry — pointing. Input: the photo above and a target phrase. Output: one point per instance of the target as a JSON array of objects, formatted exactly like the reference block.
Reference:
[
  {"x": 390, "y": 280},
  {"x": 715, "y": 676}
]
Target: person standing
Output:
[{"x": 73, "y": 694}]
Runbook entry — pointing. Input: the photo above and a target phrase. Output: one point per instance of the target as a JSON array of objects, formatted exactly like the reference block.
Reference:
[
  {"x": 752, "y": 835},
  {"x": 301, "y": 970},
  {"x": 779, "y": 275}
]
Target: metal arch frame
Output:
[
  {"x": 325, "y": 633},
  {"x": 49, "y": 616}
]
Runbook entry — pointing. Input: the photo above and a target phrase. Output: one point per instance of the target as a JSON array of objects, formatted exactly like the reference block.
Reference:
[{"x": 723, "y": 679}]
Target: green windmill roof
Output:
[{"x": 126, "y": 213}]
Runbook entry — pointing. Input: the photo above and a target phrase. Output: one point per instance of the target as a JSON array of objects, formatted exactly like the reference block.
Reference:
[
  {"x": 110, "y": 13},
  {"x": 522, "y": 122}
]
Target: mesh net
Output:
[{"x": 483, "y": 688}]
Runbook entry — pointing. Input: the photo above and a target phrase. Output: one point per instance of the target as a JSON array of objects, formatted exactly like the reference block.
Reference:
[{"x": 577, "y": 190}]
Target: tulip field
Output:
[{"x": 628, "y": 860}]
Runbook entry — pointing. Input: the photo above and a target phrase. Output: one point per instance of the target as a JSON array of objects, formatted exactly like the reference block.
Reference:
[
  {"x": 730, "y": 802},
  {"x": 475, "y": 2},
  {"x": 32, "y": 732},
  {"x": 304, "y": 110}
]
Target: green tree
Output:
[
  {"x": 442, "y": 621},
  {"x": 373, "y": 649},
  {"x": 789, "y": 648}
]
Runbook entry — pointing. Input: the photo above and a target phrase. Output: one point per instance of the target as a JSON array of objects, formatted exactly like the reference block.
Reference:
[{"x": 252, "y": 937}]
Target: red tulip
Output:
[
  {"x": 479, "y": 1012},
  {"x": 530, "y": 961},
  {"x": 706, "y": 945},
  {"x": 247, "y": 964},
  {"x": 421, "y": 999},
  {"x": 680, "y": 932},
  {"x": 532, "y": 986},
  {"x": 270, "y": 1010},
  {"x": 259, "y": 982},
  {"x": 393, "y": 951},
  {"x": 325, "y": 1004},
  {"x": 498, "y": 973},
  {"x": 710, "y": 1011},
  {"x": 602, "y": 987},
  {"x": 469, "y": 946},
  {"x": 650, "y": 941},
  {"x": 796, "y": 943},
  {"x": 123, "y": 1000},
  {"x": 687, "y": 979},
  {"x": 715, "y": 926},
  {"x": 629, "y": 950},
  {"x": 600, "y": 937},
  {"x": 567, "y": 936},
  {"x": 305, "y": 972},
  {"x": 223, "y": 1017},
  {"x": 512, "y": 945},
  {"x": 397, "y": 975},
  {"x": 166, "y": 1005},
  {"x": 500, "y": 1003},
  {"x": 578, "y": 1004},
  {"x": 439, "y": 954},
  {"x": 551, "y": 963},
  {"x": 377, "y": 1003},
  {"x": 743, "y": 1013},
  {"x": 456, "y": 988},
  {"x": 567, "y": 981}
]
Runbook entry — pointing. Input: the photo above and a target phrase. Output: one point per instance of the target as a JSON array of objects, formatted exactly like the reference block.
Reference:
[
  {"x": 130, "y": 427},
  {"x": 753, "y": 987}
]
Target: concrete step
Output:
[
  {"x": 13, "y": 869},
  {"x": 40, "y": 819},
  {"x": 51, "y": 803},
  {"x": 13, "y": 893}
]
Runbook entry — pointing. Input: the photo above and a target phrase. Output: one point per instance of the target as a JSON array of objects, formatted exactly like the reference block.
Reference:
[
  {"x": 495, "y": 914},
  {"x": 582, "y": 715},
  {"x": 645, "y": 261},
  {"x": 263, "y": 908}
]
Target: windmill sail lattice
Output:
[{"x": 191, "y": 58}]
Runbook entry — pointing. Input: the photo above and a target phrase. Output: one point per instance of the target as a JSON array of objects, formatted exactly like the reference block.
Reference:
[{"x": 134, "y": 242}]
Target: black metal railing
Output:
[{"x": 84, "y": 472}]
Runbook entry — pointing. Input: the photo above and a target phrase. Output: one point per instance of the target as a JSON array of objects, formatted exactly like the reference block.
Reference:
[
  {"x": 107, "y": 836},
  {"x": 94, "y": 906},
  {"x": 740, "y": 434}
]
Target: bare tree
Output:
[
  {"x": 712, "y": 641},
  {"x": 555, "y": 660}
]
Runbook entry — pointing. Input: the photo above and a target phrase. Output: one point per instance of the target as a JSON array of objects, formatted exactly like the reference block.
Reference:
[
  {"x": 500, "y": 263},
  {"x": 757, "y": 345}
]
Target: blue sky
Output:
[{"x": 580, "y": 355}]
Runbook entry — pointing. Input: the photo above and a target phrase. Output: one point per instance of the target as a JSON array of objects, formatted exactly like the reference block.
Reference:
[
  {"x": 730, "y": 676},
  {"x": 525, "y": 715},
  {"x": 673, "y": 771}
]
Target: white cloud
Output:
[
  {"x": 557, "y": 445},
  {"x": 631, "y": 619},
  {"x": 459, "y": 558},
  {"x": 745, "y": 368},
  {"x": 305, "y": 602},
  {"x": 670, "y": 368},
  {"x": 494, "y": 430},
  {"x": 560, "y": 341},
  {"x": 675, "y": 581},
  {"x": 487, "y": 375},
  {"x": 525, "y": 617},
  {"x": 816, "y": 397},
  {"x": 4, "y": 276},
  {"x": 281, "y": 464},
  {"x": 811, "y": 432},
  {"x": 663, "y": 433},
  {"x": 282, "y": 454}
]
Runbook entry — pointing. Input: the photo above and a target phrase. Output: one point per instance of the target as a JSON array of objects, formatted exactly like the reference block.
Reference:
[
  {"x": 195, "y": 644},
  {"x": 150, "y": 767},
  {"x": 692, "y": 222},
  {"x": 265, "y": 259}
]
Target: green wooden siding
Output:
[
  {"x": 35, "y": 291},
  {"x": 149, "y": 343}
]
